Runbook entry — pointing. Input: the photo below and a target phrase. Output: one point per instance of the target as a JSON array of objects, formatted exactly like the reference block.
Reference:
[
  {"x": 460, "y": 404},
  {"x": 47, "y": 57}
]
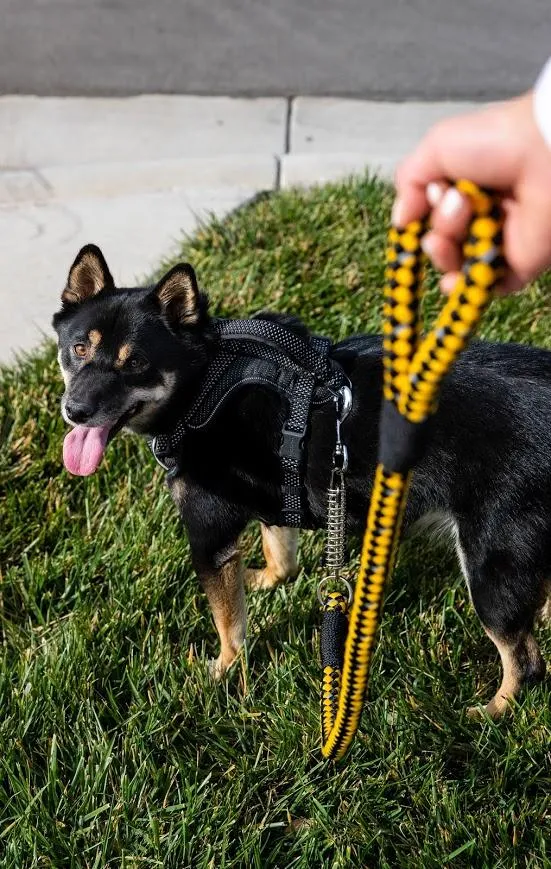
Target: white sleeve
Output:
[{"x": 542, "y": 102}]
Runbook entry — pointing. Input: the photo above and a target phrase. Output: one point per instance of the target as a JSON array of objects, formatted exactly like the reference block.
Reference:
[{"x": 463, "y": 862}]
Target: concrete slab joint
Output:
[{"x": 133, "y": 174}]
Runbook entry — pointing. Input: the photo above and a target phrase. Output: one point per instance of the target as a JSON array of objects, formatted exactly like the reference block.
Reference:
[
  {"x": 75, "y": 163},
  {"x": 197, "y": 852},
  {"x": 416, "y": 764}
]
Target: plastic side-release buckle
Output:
[{"x": 291, "y": 445}]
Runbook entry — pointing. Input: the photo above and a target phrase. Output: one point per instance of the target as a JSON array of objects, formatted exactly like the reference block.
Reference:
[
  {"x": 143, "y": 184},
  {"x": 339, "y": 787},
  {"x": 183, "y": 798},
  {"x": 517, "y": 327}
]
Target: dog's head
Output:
[{"x": 125, "y": 354}]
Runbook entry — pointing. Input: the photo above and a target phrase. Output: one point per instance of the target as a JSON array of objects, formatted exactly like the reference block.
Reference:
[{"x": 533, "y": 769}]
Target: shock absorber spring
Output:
[{"x": 336, "y": 519}]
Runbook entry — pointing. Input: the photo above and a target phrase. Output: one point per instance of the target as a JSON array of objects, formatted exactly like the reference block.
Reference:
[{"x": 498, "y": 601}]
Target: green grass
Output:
[{"x": 115, "y": 747}]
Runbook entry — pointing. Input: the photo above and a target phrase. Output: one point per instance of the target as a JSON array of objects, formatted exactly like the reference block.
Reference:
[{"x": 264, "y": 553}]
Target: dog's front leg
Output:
[
  {"x": 226, "y": 595},
  {"x": 213, "y": 531}
]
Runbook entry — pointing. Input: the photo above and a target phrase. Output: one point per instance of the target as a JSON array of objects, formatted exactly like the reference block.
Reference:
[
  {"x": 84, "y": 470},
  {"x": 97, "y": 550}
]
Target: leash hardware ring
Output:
[{"x": 326, "y": 579}]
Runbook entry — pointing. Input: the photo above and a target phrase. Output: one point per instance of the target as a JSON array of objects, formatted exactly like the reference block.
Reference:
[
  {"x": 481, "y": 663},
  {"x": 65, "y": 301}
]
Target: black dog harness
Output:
[{"x": 264, "y": 353}]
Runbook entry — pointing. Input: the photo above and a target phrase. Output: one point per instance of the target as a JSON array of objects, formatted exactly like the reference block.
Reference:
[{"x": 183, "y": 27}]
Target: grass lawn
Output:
[{"x": 115, "y": 747}]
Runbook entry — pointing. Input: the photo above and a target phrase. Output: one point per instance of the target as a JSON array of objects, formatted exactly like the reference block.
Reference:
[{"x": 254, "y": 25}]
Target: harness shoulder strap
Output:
[
  {"x": 310, "y": 353},
  {"x": 241, "y": 371}
]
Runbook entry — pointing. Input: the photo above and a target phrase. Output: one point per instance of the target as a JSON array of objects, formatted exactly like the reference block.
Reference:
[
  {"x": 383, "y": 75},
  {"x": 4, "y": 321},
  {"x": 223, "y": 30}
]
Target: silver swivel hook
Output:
[
  {"x": 343, "y": 405},
  {"x": 336, "y": 500}
]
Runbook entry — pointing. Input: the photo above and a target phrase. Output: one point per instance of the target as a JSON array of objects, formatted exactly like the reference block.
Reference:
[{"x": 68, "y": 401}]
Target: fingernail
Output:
[
  {"x": 434, "y": 193},
  {"x": 396, "y": 216},
  {"x": 447, "y": 283},
  {"x": 452, "y": 203},
  {"x": 427, "y": 244}
]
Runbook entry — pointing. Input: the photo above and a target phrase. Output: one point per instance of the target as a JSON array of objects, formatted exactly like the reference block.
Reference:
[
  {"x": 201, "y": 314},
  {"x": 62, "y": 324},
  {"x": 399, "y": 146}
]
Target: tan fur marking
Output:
[
  {"x": 280, "y": 546},
  {"x": 94, "y": 340},
  {"x": 94, "y": 337},
  {"x": 124, "y": 352},
  {"x": 178, "y": 492},
  {"x": 512, "y": 679},
  {"x": 226, "y": 595},
  {"x": 544, "y": 612}
]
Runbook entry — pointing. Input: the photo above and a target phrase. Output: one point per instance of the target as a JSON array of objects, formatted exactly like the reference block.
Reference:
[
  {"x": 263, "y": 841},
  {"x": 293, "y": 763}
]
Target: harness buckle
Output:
[{"x": 291, "y": 445}]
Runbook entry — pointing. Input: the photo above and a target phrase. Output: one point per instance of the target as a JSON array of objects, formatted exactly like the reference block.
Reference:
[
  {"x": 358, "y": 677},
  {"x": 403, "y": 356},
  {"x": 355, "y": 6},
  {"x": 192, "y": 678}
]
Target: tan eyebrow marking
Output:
[
  {"x": 124, "y": 352},
  {"x": 94, "y": 337}
]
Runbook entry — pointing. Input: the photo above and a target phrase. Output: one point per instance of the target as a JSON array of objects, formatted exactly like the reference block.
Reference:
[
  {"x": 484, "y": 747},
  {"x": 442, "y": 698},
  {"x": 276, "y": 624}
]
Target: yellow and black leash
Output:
[{"x": 414, "y": 367}]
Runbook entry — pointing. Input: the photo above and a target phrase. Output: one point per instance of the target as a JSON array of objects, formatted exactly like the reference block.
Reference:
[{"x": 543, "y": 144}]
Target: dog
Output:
[{"x": 134, "y": 358}]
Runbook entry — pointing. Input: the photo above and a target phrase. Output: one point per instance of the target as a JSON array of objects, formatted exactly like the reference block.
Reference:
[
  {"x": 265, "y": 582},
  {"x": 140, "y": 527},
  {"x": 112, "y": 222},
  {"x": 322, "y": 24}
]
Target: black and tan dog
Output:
[{"x": 135, "y": 358}]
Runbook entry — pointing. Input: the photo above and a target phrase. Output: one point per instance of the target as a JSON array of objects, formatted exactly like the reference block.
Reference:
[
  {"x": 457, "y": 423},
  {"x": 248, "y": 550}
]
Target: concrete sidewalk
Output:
[{"x": 134, "y": 174}]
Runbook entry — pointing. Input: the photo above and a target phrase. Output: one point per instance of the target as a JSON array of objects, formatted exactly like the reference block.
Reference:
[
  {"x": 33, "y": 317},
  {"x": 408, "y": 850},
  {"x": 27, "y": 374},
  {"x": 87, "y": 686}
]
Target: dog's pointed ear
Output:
[
  {"x": 179, "y": 295},
  {"x": 88, "y": 276}
]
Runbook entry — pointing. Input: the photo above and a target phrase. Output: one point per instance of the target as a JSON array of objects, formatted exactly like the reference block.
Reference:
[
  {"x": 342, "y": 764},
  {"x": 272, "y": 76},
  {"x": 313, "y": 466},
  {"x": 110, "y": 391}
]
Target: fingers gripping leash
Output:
[{"x": 413, "y": 370}]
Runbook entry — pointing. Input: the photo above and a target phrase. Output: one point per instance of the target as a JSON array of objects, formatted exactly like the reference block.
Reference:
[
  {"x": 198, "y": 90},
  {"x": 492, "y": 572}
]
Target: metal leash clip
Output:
[
  {"x": 336, "y": 503},
  {"x": 343, "y": 403}
]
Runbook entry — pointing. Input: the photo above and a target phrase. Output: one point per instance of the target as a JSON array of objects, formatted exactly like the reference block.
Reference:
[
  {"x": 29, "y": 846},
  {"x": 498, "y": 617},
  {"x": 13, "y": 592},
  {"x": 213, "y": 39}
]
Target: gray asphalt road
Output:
[{"x": 392, "y": 49}]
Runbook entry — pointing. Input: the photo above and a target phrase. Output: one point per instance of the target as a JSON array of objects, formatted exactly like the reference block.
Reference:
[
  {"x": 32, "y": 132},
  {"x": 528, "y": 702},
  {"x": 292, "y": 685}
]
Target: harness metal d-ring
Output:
[{"x": 158, "y": 459}]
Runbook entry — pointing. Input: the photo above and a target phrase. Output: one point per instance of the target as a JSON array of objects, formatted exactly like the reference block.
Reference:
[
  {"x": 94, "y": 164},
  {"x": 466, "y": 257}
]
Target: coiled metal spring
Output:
[{"x": 336, "y": 518}]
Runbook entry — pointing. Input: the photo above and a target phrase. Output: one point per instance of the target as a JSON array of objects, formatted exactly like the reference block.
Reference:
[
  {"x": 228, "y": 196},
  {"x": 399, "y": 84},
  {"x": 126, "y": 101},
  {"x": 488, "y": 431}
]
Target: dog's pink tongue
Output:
[{"x": 83, "y": 449}]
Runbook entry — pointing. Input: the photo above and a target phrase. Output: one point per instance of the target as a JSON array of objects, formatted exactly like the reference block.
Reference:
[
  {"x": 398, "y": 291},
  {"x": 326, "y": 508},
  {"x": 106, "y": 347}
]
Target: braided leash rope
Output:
[{"x": 413, "y": 370}]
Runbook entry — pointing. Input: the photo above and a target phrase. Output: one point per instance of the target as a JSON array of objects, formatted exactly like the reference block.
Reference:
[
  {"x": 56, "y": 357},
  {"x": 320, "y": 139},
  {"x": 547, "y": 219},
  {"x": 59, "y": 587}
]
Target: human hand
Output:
[{"x": 499, "y": 147}]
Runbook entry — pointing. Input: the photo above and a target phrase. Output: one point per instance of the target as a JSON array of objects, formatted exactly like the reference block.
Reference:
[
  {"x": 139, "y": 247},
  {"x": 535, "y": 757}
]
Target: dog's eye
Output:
[
  {"x": 80, "y": 350},
  {"x": 137, "y": 363}
]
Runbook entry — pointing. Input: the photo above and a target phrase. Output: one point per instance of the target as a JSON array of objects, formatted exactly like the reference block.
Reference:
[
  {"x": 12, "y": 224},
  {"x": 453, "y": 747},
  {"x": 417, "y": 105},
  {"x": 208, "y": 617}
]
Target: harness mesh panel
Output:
[{"x": 262, "y": 352}]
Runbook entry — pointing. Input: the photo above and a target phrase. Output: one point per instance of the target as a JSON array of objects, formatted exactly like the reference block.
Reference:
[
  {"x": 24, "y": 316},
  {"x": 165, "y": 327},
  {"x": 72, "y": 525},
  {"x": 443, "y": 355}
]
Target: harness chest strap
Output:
[{"x": 262, "y": 352}]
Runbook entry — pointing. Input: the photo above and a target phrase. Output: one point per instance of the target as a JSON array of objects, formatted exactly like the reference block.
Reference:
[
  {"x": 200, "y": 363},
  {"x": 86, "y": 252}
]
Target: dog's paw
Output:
[
  {"x": 475, "y": 713},
  {"x": 263, "y": 579},
  {"x": 494, "y": 710},
  {"x": 257, "y": 579},
  {"x": 217, "y": 668}
]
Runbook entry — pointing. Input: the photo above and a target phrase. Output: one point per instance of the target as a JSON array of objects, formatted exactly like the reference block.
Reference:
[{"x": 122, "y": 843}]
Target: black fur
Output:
[{"x": 488, "y": 467}]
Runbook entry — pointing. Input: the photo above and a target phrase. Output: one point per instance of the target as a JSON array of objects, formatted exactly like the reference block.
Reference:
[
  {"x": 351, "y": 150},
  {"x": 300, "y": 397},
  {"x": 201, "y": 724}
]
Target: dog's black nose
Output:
[{"x": 79, "y": 412}]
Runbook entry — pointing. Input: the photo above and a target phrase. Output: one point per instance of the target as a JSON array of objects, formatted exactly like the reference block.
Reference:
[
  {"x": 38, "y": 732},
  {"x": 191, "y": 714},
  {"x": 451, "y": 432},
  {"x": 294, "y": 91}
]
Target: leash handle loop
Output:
[{"x": 414, "y": 368}]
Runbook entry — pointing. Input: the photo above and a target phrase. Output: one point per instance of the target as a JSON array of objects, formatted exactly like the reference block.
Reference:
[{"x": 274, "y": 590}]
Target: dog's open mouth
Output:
[{"x": 84, "y": 446}]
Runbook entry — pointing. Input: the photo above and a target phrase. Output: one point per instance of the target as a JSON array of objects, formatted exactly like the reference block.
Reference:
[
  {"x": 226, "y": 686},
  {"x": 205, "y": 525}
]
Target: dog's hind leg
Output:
[
  {"x": 522, "y": 663},
  {"x": 506, "y": 596},
  {"x": 280, "y": 547},
  {"x": 226, "y": 595}
]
